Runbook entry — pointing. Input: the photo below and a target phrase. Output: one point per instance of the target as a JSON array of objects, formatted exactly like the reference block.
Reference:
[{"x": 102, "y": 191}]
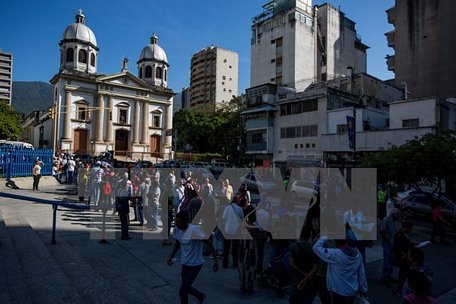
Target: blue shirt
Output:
[{"x": 191, "y": 244}]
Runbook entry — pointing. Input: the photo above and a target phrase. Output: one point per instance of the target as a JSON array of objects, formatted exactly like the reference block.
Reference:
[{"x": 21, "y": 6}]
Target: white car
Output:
[{"x": 301, "y": 188}]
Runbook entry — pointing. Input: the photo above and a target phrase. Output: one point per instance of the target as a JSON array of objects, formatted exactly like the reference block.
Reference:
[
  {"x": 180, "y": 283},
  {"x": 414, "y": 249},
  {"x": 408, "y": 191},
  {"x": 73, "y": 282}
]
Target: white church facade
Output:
[{"x": 94, "y": 113}]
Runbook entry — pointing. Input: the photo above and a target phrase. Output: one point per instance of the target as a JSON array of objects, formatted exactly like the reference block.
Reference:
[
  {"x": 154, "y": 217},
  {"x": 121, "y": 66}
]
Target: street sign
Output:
[{"x": 351, "y": 131}]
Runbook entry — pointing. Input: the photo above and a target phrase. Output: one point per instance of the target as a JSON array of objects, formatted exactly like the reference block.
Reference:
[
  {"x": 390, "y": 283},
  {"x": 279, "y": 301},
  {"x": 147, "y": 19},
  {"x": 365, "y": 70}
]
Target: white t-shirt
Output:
[
  {"x": 71, "y": 165},
  {"x": 233, "y": 215},
  {"x": 191, "y": 244}
]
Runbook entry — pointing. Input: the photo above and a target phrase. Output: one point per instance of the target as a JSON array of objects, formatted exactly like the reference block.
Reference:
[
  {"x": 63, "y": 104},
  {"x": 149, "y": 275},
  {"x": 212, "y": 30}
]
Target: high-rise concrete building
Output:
[
  {"x": 296, "y": 44},
  {"x": 214, "y": 78},
  {"x": 423, "y": 40},
  {"x": 6, "y": 77}
]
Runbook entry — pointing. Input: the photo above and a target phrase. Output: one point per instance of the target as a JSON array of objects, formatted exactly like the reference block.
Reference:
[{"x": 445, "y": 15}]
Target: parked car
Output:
[
  {"x": 256, "y": 184},
  {"x": 303, "y": 189},
  {"x": 422, "y": 204}
]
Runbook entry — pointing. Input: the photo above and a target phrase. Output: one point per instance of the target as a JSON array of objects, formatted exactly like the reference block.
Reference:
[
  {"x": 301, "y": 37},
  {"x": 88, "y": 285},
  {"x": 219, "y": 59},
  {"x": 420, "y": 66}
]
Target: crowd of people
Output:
[{"x": 332, "y": 269}]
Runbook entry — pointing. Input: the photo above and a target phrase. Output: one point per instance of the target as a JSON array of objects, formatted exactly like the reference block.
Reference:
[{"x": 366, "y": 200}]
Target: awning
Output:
[{"x": 265, "y": 108}]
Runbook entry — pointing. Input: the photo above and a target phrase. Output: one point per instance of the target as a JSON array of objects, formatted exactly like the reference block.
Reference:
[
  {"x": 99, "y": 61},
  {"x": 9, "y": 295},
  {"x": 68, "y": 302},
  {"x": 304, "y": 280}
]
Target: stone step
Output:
[
  {"x": 45, "y": 281},
  {"x": 91, "y": 286},
  {"x": 13, "y": 288}
]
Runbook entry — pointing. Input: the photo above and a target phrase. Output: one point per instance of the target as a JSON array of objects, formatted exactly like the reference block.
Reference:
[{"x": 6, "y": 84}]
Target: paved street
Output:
[{"x": 80, "y": 269}]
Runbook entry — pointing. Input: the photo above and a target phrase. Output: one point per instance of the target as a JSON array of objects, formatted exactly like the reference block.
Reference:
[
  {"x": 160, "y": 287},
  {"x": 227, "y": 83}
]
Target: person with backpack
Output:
[
  {"x": 346, "y": 277},
  {"x": 233, "y": 215},
  {"x": 106, "y": 191},
  {"x": 415, "y": 260}
]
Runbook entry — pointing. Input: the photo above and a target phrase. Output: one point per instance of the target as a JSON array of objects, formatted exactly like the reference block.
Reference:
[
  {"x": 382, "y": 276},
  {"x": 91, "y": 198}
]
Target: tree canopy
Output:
[
  {"x": 221, "y": 131},
  {"x": 431, "y": 158},
  {"x": 10, "y": 122}
]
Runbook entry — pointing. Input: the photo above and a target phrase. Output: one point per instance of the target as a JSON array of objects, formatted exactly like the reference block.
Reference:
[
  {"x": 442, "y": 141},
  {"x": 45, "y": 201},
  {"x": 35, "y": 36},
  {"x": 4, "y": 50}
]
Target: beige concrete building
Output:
[
  {"x": 295, "y": 44},
  {"x": 6, "y": 77},
  {"x": 94, "y": 113},
  {"x": 213, "y": 78},
  {"x": 423, "y": 40}
]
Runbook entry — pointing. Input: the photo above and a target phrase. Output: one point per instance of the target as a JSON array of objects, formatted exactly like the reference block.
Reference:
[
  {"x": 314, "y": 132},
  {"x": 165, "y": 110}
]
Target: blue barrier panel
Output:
[{"x": 18, "y": 162}]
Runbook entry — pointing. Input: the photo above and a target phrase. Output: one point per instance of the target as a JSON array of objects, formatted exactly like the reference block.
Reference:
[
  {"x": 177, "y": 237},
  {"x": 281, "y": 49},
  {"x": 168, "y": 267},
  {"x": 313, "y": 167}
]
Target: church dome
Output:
[
  {"x": 153, "y": 52},
  {"x": 79, "y": 31}
]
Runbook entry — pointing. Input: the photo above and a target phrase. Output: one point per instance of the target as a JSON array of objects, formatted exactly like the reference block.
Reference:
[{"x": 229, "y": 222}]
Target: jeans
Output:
[
  {"x": 95, "y": 192},
  {"x": 234, "y": 244},
  {"x": 140, "y": 214},
  {"x": 218, "y": 241},
  {"x": 70, "y": 177},
  {"x": 387, "y": 267},
  {"x": 154, "y": 214},
  {"x": 36, "y": 181},
  {"x": 189, "y": 274}
]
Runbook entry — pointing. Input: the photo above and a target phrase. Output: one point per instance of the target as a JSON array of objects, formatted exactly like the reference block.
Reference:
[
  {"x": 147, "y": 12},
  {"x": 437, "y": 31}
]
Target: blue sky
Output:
[{"x": 32, "y": 29}]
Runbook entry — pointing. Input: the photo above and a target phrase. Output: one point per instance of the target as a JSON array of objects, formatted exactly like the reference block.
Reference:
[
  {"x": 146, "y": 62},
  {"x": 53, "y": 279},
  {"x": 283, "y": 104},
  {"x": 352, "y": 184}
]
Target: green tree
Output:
[
  {"x": 432, "y": 157},
  {"x": 10, "y": 122},
  {"x": 219, "y": 131}
]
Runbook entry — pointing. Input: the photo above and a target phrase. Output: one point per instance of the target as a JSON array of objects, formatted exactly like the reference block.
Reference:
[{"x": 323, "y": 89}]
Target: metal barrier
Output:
[
  {"x": 19, "y": 162},
  {"x": 55, "y": 206}
]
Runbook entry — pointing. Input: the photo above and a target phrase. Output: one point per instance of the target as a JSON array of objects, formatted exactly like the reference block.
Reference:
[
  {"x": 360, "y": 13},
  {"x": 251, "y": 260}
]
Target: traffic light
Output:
[{"x": 51, "y": 112}]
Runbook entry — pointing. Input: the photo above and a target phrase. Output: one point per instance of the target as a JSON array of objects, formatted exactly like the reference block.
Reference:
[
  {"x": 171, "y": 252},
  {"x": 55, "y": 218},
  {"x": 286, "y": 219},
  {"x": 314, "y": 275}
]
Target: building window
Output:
[
  {"x": 342, "y": 128},
  {"x": 92, "y": 59},
  {"x": 224, "y": 77},
  {"x": 410, "y": 123},
  {"x": 156, "y": 119},
  {"x": 158, "y": 73},
  {"x": 148, "y": 72},
  {"x": 272, "y": 60},
  {"x": 69, "y": 55},
  {"x": 279, "y": 42},
  {"x": 230, "y": 66},
  {"x": 166, "y": 75},
  {"x": 224, "y": 90},
  {"x": 123, "y": 114},
  {"x": 82, "y": 56},
  {"x": 83, "y": 112},
  {"x": 140, "y": 72},
  {"x": 279, "y": 61}
]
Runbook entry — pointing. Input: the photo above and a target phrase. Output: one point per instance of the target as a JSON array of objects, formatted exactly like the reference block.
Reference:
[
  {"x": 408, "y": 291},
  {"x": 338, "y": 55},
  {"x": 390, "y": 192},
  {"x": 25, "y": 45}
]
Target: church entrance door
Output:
[
  {"x": 155, "y": 145},
  {"x": 121, "y": 147},
  {"x": 80, "y": 141}
]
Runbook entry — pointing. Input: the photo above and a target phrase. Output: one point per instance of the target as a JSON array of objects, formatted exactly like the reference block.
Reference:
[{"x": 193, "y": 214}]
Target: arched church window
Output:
[
  {"x": 82, "y": 56},
  {"x": 69, "y": 55},
  {"x": 140, "y": 72},
  {"x": 166, "y": 75},
  {"x": 158, "y": 73},
  {"x": 92, "y": 59},
  {"x": 148, "y": 72}
]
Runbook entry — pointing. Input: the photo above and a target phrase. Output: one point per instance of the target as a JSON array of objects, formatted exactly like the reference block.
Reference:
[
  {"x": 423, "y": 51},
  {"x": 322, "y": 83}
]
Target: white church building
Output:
[{"x": 94, "y": 113}]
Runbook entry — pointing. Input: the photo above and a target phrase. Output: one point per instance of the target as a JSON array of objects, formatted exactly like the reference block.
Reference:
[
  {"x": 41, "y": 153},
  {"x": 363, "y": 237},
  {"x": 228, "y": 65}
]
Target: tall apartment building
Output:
[
  {"x": 296, "y": 44},
  {"x": 6, "y": 77},
  {"x": 423, "y": 40},
  {"x": 214, "y": 78}
]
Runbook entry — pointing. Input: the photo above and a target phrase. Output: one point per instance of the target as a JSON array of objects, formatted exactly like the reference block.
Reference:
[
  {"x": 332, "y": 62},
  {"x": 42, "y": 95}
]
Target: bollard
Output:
[{"x": 54, "y": 220}]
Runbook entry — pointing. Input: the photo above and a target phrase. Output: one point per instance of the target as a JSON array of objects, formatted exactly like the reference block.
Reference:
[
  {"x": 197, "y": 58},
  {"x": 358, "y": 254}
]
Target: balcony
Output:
[
  {"x": 259, "y": 123},
  {"x": 391, "y": 62},
  {"x": 391, "y": 38},
  {"x": 374, "y": 140},
  {"x": 256, "y": 147},
  {"x": 391, "y": 15}
]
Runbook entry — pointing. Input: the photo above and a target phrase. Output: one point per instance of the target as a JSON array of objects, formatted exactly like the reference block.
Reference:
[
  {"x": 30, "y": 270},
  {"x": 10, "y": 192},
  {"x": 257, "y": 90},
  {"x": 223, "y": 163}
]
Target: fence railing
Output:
[
  {"x": 19, "y": 162},
  {"x": 55, "y": 206}
]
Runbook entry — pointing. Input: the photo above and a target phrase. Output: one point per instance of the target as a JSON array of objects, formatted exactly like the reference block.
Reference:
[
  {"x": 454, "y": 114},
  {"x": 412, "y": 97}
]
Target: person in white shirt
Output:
[
  {"x": 71, "y": 165},
  {"x": 190, "y": 238}
]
